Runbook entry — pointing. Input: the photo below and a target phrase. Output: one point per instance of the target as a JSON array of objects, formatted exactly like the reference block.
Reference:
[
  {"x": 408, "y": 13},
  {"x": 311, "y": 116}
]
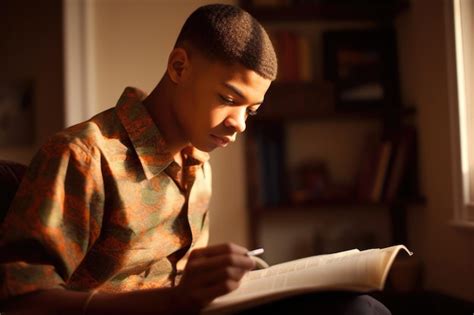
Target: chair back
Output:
[{"x": 11, "y": 174}]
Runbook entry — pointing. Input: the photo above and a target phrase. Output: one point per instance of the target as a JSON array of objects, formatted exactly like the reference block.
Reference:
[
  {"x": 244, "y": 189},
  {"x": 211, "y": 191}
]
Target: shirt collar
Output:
[
  {"x": 147, "y": 140},
  {"x": 193, "y": 156}
]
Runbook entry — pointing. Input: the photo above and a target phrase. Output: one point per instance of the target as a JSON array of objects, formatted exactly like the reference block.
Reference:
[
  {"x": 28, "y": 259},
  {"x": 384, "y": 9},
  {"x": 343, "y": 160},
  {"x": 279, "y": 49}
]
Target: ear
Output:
[{"x": 178, "y": 64}]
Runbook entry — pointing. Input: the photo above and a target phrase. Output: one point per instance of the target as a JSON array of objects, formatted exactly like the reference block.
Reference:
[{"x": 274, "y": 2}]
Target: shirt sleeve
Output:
[{"x": 54, "y": 219}]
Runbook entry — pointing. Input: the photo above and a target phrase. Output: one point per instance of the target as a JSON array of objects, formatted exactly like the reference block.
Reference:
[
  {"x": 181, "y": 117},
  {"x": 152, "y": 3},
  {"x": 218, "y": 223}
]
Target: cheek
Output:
[
  {"x": 204, "y": 109},
  {"x": 217, "y": 117}
]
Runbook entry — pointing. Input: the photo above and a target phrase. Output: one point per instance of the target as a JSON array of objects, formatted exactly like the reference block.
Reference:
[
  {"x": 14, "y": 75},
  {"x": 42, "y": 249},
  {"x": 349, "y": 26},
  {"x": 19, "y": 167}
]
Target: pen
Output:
[{"x": 255, "y": 252}]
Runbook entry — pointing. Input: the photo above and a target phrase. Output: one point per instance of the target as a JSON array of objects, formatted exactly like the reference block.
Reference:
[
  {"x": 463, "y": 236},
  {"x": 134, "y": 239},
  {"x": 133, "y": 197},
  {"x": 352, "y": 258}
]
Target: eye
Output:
[
  {"x": 226, "y": 100},
  {"x": 251, "y": 112}
]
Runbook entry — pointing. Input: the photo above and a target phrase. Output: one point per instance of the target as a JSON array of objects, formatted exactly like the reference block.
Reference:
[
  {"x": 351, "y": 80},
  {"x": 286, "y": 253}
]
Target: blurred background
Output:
[{"x": 355, "y": 145}]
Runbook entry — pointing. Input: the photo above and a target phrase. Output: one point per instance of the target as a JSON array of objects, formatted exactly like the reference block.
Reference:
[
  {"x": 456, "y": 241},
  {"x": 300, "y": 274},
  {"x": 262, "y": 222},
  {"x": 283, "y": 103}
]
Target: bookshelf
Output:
[
  {"x": 303, "y": 94},
  {"x": 302, "y": 100},
  {"x": 270, "y": 11}
]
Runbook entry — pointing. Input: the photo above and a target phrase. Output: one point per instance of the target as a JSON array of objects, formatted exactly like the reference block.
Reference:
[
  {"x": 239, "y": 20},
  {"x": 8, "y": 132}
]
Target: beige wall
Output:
[
  {"x": 447, "y": 252},
  {"x": 131, "y": 40}
]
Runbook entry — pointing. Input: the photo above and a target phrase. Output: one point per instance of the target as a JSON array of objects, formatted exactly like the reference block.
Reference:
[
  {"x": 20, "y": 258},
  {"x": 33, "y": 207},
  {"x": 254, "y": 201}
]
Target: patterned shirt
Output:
[{"x": 104, "y": 206}]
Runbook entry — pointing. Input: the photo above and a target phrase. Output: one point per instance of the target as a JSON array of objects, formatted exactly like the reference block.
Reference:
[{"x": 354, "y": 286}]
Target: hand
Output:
[{"x": 213, "y": 271}]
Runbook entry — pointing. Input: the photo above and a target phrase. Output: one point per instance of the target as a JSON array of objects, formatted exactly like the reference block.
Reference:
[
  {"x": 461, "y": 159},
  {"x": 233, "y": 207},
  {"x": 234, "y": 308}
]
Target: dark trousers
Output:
[{"x": 333, "y": 303}]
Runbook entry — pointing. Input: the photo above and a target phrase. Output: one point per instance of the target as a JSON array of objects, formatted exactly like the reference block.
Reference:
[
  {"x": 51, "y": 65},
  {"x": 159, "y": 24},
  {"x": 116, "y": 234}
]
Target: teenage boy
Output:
[
  {"x": 113, "y": 210},
  {"x": 110, "y": 209}
]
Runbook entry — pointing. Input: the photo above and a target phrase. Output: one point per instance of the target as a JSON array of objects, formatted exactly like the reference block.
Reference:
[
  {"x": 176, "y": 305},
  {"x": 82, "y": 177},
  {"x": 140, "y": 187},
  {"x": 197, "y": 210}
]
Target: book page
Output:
[{"x": 350, "y": 270}]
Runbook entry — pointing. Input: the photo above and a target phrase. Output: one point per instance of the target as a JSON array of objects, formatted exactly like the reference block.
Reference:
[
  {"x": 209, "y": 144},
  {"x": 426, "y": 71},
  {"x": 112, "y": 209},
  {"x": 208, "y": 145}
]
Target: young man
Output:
[
  {"x": 110, "y": 209},
  {"x": 113, "y": 210}
]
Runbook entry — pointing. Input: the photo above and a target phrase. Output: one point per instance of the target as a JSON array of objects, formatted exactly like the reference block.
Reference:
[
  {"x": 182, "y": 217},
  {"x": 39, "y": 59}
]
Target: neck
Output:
[{"x": 160, "y": 106}]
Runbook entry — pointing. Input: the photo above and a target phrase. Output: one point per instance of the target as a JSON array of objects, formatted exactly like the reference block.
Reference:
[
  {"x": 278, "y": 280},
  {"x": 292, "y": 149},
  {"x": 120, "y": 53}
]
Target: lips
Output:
[{"x": 221, "y": 141}]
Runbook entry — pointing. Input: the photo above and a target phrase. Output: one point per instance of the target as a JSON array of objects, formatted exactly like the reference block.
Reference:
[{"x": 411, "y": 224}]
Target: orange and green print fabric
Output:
[{"x": 104, "y": 206}]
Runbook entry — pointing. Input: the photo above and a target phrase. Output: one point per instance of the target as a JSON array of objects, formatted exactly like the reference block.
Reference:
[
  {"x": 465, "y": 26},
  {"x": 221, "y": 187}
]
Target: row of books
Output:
[
  {"x": 295, "y": 57},
  {"x": 387, "y": 172},
  {"x": 270, "y": 3},
  {"x": 268, "y": 158},
  {"x": 386, "y": 167},
  {"x": 287, "y": 3}
]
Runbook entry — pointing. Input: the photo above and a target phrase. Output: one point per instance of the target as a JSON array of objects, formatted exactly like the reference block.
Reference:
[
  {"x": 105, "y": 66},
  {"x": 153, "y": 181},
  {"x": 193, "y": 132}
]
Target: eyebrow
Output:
[{"x": 238, "y": 92}]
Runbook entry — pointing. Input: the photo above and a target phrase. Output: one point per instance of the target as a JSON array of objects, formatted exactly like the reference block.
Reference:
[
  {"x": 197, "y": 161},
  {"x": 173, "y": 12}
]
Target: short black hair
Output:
[{"x": 231, "y": 35}]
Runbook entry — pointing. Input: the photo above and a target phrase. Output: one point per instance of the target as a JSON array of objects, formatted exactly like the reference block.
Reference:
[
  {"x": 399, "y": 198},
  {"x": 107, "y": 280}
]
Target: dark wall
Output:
[{"x": 31, "y": 48}]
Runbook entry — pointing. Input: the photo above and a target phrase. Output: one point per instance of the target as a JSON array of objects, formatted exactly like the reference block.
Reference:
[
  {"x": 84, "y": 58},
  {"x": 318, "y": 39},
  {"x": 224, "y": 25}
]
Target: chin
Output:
[{"x": 205, "y": 147}]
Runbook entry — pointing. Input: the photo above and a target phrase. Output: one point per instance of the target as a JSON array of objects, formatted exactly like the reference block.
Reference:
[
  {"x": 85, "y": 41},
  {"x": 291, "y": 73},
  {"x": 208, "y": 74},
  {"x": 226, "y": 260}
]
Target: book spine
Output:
[
  {"x": 304, "y": 59},
  {"x": 267, "y": 3},
  {"x": 405, "y": 142},
  {"x": 385, "y": 151},
  {"x": 366, "y": 171}
]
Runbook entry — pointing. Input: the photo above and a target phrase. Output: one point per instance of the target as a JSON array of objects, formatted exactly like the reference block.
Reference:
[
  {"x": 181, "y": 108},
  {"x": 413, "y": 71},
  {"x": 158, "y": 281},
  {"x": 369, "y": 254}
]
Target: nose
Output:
[{"x": 236, "y": 120}]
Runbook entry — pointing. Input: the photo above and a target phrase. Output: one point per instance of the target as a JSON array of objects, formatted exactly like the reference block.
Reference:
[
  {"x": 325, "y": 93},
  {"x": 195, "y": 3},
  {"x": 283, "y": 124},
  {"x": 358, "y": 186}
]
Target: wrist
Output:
[
  {"x": 187, "y": 304},
  {"x": 87, "y": 301}
]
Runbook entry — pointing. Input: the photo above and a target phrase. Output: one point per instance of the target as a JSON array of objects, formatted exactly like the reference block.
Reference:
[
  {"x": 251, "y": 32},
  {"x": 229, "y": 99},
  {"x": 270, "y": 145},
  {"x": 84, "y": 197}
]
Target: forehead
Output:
[{"x": 252, "y": 85}]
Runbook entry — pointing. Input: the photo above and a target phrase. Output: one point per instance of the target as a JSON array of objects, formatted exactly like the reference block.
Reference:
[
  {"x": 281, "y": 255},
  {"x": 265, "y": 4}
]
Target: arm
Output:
[
  {"x": 210, "y": 272},
  {"x": 58, "y": 301}
]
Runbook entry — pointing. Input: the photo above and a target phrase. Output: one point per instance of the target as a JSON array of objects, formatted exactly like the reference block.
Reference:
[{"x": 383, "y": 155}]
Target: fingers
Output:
[
  {"x": 223, "y": 275},
  {"x": 220, "y": 270},
  {"x": 204, "y": 264},
  {"x": 221, "y": 249},
  {"x": 214, "y": 271}
]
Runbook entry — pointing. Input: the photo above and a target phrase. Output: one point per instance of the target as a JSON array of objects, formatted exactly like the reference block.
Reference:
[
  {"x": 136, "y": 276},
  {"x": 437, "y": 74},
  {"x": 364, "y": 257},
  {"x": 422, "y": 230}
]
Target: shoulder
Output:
[{"x": 85, "y": 138}]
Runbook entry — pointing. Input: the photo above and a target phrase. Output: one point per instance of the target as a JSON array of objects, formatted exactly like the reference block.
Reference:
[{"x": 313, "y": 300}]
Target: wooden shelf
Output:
[
  {"x": 353, "y": 10},
  {"x": 342, "y": 203},
  {"x": 315, "y": 101},
  {"x": 329, "y": 114}
]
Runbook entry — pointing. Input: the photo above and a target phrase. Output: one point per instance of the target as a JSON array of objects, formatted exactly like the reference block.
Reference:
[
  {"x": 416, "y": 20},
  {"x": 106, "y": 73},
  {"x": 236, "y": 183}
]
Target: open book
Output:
[{"x": 352, "y": 270}]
